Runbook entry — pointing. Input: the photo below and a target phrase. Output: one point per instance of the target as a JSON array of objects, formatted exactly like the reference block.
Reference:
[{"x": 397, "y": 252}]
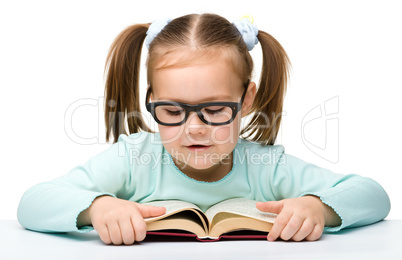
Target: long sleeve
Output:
[
  {"x": 357, "y": 200},
  {"x": 54, "y": 206}
]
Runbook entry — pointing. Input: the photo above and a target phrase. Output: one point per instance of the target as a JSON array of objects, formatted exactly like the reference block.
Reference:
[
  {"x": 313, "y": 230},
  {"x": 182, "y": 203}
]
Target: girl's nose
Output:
[{"x": 194, "y": 125}]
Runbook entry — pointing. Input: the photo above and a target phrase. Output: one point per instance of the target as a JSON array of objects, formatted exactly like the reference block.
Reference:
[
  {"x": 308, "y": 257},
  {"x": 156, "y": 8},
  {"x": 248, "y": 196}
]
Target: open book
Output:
[{"x": 226, "y": 216}]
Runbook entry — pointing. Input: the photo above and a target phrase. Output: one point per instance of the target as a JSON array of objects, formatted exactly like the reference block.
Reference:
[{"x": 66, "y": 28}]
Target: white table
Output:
[{"x": 378, "y": 241}]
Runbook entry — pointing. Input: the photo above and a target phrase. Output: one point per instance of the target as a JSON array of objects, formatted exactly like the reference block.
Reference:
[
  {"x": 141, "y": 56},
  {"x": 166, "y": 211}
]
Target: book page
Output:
[
  {"x": 172, "y": 206},
  {"x": 240, "y": 206},
  {"x": 186, "y": 220}
]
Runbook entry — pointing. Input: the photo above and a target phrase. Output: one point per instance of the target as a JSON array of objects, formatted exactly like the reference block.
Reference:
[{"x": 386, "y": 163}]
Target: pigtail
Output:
[
  {"x": 122, "y": 102},
  {"x": 269, "y": 98}
]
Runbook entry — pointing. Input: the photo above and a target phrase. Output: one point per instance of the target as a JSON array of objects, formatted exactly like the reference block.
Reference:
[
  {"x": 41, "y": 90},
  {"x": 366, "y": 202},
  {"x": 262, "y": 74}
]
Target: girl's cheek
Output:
[
  {"x": 226, "y": 134},
  {"x": 170, "y": 134}
]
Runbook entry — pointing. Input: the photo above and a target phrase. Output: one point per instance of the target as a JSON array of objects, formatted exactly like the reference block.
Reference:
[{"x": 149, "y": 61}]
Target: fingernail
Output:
[{"x": 271, "y": 239}]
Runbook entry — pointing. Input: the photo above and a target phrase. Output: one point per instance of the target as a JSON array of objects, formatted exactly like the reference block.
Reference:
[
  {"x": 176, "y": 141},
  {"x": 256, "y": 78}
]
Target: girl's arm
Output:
[
  {"x": 54, "y": 206},
  {"x": 344, "y": 200}
]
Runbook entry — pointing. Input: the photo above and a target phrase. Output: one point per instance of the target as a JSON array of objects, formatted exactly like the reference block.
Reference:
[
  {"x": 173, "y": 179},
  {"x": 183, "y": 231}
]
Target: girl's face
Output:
[{"x": 196, "y": 84}]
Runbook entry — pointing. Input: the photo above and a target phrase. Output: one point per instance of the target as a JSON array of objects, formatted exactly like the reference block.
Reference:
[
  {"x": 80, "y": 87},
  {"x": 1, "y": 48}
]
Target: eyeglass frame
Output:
[{"x": 235, "y": 106}]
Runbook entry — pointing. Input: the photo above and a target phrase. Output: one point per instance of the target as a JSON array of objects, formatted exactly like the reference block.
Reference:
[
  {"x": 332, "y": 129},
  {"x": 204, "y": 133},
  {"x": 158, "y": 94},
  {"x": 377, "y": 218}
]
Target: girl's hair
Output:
[{"x": 187, "y": 40}]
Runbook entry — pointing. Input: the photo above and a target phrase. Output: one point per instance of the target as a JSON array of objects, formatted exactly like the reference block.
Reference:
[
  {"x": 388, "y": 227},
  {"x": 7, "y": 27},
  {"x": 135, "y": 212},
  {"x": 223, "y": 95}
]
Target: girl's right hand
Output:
[{"x": 119, "y": 221}]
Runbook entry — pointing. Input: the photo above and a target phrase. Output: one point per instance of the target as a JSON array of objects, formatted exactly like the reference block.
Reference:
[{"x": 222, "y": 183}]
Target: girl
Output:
[{"x": 199, "y": 88}]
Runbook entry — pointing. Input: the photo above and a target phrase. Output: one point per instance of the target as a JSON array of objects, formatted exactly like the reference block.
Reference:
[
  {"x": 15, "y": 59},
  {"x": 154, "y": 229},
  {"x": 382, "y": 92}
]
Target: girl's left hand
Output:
[{"x": 299, "y": 218}]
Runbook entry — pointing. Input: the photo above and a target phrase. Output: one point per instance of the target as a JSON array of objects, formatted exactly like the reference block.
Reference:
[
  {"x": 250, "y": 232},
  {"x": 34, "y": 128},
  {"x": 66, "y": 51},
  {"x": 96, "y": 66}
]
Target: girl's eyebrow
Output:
[{"x": 208, "y": 99}]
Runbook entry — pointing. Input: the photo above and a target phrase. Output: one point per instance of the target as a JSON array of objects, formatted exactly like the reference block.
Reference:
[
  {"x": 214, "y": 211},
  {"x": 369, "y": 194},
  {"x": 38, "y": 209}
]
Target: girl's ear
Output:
[
  {"x": 248, "y": 99},
  {"x": 151, "y": 98}
]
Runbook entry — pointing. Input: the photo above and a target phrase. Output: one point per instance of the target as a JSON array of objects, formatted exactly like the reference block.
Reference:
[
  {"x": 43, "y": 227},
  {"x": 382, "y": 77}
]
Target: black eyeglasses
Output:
[{"x": 170, "y": 113}]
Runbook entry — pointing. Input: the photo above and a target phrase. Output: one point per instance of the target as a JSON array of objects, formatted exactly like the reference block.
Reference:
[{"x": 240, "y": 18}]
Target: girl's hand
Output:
[
  {"x": 299, "y": 218},
  {"x": 118, "y": 221}
]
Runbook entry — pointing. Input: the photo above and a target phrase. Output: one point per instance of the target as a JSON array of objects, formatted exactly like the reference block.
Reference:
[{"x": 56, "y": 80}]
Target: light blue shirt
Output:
[{"x": 138, "y": 168}]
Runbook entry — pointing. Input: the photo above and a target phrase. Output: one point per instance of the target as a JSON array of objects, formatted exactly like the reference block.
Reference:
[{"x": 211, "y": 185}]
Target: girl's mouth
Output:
[{"x": 198, "y": 147}]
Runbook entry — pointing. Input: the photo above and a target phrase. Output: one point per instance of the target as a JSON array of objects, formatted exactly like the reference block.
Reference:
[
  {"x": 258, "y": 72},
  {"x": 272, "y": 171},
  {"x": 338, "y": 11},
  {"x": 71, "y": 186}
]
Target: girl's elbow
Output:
[{"x": 383, "y": 203}]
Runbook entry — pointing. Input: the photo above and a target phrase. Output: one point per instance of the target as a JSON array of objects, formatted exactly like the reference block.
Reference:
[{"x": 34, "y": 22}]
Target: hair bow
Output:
[
  {"x": 155, "y": 28},
  {"x": 248, "y": 31}
]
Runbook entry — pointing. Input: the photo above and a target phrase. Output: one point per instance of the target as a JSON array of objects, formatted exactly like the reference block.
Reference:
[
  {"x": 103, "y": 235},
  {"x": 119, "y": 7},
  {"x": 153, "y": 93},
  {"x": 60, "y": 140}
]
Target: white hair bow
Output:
[{"x": 248, "y": 31}]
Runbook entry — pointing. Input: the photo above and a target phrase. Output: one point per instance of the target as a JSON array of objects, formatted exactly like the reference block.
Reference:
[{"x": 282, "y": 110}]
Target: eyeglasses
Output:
[{"x": 170, "y": 113}]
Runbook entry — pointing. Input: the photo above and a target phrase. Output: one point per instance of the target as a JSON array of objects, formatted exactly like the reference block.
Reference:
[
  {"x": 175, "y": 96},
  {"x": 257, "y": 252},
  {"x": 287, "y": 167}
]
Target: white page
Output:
[
  {"x": 240, "y": 206},
  {"x": 171, "y": 206}
]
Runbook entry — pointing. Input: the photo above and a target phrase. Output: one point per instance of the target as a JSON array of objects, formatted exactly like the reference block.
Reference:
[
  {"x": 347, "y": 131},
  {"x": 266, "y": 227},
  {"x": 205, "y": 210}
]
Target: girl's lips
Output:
[{"x": 198, "y": 147}]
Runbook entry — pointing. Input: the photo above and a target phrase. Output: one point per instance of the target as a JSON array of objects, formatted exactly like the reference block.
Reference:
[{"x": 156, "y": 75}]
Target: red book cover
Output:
[{"x": 178, "y": 235}]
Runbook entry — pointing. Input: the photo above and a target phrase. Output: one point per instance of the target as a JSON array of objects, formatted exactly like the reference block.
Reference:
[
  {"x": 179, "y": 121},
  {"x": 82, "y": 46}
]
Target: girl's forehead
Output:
[
  {"x": 187, "y": 56},
  {"x": 197, "y": 83},
  {"x": 184, "y": 56}
]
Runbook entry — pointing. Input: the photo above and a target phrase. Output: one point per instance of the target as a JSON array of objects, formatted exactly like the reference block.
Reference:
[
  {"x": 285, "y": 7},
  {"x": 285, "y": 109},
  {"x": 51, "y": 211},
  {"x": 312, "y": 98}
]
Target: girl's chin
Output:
[
  {"x": 199, "y": 160},
  {"x": 199, "y": 165}
]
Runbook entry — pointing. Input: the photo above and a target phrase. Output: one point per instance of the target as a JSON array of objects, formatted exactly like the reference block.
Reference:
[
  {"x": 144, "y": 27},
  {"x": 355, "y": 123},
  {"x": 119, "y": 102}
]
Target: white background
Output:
[{"x": 52, "y": 56}]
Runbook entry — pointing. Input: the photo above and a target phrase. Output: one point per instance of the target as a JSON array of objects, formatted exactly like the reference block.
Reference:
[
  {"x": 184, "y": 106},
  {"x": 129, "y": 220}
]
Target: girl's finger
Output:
[
  {"x": 148, "y": 211},
  {"x": 270, "y": 206},
  {"x": 140, "y": 227},
  {"x": 114, "y": 233},
  {"x": 293, "y": 225},
  {"x": 316, "y": 233},
  {"x": 280, "y": 222},
  {"x": 103, "y": 233},
  {"x": 305, "y": 229},
  {"x": 127, "y": 231}
]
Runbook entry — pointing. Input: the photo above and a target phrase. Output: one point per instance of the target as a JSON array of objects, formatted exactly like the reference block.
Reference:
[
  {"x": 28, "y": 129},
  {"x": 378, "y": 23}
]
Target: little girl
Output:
[{"x": 199, "y": 88}]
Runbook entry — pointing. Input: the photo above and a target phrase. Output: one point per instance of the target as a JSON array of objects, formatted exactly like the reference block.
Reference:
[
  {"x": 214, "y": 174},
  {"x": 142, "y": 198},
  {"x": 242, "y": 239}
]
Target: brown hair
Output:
[{"x": 198, "y": 38}]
